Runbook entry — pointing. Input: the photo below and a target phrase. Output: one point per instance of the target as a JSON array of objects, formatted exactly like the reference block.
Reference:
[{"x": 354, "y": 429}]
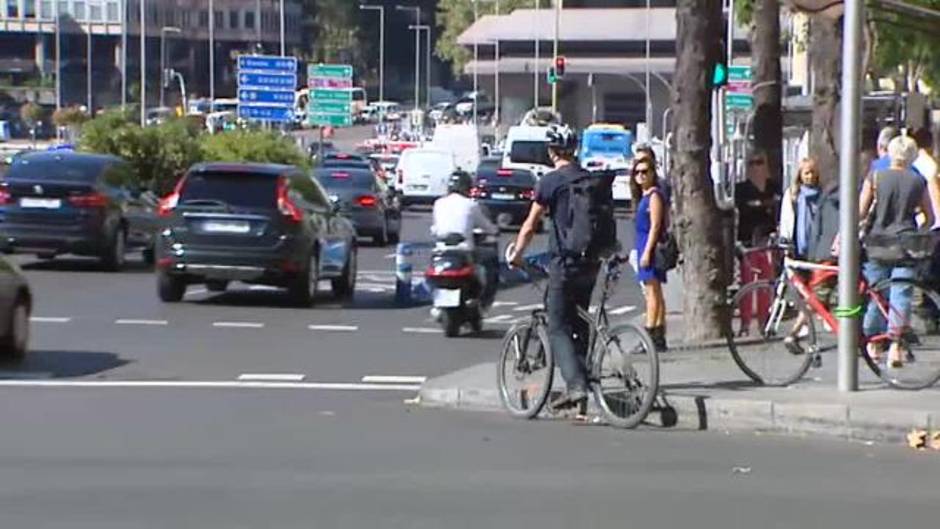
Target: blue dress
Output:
[{"x": 643, "y": 225}]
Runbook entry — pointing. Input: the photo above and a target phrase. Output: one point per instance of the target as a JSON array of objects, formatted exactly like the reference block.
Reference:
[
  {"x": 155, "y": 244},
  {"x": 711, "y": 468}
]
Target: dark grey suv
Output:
[{"x": 257, "y": 223}]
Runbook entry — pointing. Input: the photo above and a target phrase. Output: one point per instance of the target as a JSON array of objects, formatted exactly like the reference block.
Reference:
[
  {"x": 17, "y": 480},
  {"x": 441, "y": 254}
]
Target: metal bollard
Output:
[{"x": 403, "y": 270}]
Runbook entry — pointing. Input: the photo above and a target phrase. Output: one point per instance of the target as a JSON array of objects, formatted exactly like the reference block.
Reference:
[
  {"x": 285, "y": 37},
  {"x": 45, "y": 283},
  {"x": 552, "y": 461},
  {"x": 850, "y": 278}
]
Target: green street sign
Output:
[
  {"x": 320, "y": 95},
  {"x": 331, "y": 107},
  {"x": 739, "y": 101},
  {"x": 337, "y": 71},
  {"x": 739, "y": 73},
  {"x": 332, "y": 120}
]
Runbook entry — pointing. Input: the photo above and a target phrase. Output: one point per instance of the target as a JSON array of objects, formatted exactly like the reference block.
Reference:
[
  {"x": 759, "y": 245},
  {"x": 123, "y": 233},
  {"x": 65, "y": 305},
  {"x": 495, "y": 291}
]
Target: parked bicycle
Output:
[
  {"x": 622, "y": 363},
  {"x": 766, "y": 312}
]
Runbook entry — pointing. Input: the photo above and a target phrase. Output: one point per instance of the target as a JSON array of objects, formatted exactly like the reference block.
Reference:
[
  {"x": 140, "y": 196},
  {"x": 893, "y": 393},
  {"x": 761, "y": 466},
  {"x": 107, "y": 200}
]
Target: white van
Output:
[
  {"x": 526, "y": 148},
  {"x": 462, "y": 141},
  {"x": 422, "y": 175}
]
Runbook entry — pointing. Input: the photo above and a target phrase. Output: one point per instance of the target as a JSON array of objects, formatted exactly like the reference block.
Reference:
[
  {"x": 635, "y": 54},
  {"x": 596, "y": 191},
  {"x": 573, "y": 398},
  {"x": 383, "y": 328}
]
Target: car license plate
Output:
[
  {"x": 235, "y": 228},
  {"x": 447, "y": 297},
  {"x": 503, "y": 196},
  {"x": 41, "y": 203}
]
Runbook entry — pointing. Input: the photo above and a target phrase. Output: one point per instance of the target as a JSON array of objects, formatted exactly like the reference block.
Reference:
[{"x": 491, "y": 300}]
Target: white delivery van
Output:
[
  {"x": 462, "y": 141},
  {"x": 422, "y": 175},
  {"x": 526, "y": 148}
]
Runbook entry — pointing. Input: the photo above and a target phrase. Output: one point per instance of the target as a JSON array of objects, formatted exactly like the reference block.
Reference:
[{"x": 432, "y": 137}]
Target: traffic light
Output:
[
  {"x": 560, "y": 66},
  {"x": 552, "y": 76},
  {"x": 720, "y": 75}
]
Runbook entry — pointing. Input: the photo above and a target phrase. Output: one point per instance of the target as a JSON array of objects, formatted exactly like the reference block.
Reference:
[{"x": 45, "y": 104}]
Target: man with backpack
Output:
[{"x": 579, "y": 205}]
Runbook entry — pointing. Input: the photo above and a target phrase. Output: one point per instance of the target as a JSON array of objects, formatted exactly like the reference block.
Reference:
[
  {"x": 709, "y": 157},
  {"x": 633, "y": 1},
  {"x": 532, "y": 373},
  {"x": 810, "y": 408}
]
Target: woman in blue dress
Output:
[{"x": 651, "y": 219}]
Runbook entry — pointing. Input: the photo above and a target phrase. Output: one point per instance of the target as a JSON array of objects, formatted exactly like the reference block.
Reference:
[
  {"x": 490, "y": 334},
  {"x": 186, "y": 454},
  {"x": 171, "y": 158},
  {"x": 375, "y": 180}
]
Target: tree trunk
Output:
[
  {"x": 825, "y": 56},
  {"x": 765, "y": 57},
  {"x": 699, "y": 222}
]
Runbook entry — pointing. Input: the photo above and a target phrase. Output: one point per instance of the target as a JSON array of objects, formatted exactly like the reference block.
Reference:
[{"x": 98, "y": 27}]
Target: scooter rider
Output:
[{"x": 457, "y": 213}]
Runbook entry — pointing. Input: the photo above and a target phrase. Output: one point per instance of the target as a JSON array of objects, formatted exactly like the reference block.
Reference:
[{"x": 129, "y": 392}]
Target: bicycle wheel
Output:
[
  {"x": 525, "y": 370},
  {"x": 626, "y": 368},
  {"x": 760, "y": 321},
  {"x": 916, "y": 330}
]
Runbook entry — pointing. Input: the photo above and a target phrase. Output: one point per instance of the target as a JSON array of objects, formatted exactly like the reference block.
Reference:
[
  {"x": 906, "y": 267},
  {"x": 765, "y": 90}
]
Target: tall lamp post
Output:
[
  {"x": 558, "y": 8},
  {"x": 538, "y": 41},
  {"x": 427, "y": 59},
  {"x": 123, "y": 55},
  {"x": 417, "y": 11},
  {"x": 163, "y": 79},
  {"x": 283, "y": 44},
  {"x": 381, "y": 10},
  {"x": 88, "y": 98},
  {"x": 476, "y": 62},
  {"x": 211, "y": 53},
  {"x": 58, "y": 60},
  {"x": 143, "y": 63}
]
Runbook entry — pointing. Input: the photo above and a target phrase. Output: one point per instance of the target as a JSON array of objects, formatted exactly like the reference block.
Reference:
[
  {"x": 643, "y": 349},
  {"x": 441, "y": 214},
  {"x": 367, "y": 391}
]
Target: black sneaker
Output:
[{"x": 570, "y": 399}]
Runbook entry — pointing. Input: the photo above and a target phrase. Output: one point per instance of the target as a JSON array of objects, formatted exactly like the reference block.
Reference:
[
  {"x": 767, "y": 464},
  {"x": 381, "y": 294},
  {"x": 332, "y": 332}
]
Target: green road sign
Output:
[
  {"x": 332, "y": 120},
  {"x": 321, "y": 95},
  {"x": 739, "y": 73},
  {"x": 739, "y": 101},
  {"x": 336, "y": 71},
  {"x": 331, "y": 107}
]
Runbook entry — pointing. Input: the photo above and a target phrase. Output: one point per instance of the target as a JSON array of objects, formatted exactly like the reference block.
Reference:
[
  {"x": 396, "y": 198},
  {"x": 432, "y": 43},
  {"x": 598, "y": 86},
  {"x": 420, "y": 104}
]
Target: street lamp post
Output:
[
  {"x": 558, "y": 8},
  {"x": 649, "y": 98},
  {"x": 381, "y": 10},
  {"x": 283, "y": 45},
  {"x": 143, "y": 63},
  {"x": 88, "y": 98},
  {"x": 58, "y": 60},
  {"x": 417, "y": 11},
  {"x": 427, "y": 59},
  {"x": 124, "y": 55},
  {"x": 211, "y": 53},
  {"x": 538, "y": 40},
  {"x": 163, "y": 80},
  {"x": 476, "y": 62}
]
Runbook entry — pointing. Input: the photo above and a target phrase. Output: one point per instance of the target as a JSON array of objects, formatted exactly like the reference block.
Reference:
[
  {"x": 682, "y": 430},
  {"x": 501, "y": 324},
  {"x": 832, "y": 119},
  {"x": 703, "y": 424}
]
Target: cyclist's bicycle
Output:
[
  {"x": 622, "y": 362},
  {"x": 766, "y": 313}
]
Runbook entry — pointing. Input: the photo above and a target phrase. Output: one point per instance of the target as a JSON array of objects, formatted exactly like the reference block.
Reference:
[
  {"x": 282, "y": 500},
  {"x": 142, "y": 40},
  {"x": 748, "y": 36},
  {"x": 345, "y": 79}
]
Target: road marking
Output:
[
  {"x": 528, "y": 307},
  {"x": 505, "y": 303},
  {"x": 421, "y": 330},
  {"x": 238, "y": 324},
  {"x": 195, "y": 384},
  {"x": 393, "y": 379},
  {"x": 140, "y": 322},
  {"x": 271, "y": 377},
  {"x": 341, "y": 328},
  {"x": 380, "y": 286},
  {"x": 622, "y": 310},
  {"x": 502, "y": 318},
  {"x": 262, "y": 287},
  {"x": 45, "y": 319}
]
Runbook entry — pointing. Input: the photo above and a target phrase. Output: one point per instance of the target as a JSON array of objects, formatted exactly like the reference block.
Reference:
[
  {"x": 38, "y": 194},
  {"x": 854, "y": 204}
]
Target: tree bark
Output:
[
  {"x": 767, "y": 77},
  {"x": 699, "y": 222},
  {"x": 825, "y": 56}
]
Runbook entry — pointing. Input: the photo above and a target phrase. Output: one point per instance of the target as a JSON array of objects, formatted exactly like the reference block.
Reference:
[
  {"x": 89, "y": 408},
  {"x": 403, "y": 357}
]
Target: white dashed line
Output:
[
  {"x": 622, "y": 310},
  {"x": 393, "y": 379},
  {"x": 337, "y": 328},
  {"x": 44, "y": 319},
  {"x": 141, "y": 322},
  {"x": 505, "y": 303},
  {"x": 421, "y": 330},
  {"x": 232, "y": 384},
  {"x": 502, "y": 318},
  {"x": 528, "y": 307},
  {"x": 271, "y": 377},
  {"x": 238, "y": 324}
]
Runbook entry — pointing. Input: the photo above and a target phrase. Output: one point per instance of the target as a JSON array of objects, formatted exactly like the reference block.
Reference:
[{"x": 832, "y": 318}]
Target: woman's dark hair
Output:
[{"x": 636, "y": 192}]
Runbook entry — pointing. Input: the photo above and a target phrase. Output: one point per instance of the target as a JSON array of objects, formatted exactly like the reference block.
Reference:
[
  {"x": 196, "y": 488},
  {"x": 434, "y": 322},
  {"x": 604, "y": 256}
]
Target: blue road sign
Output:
[
  {"x": 281, "y": 98},
  {"x": 267, "y": 64},
  {"x": 266, "y": 113},
  {"x": 271, "y": 81}
]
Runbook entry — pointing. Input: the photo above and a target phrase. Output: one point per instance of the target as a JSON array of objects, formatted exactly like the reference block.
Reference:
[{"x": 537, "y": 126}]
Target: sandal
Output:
[{"x": 875, "y": 353}]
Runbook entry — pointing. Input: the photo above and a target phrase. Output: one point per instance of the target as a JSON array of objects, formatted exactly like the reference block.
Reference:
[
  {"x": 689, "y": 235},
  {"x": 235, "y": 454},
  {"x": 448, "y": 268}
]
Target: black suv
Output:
[
  {"x": 257, "y": 223},
  {"x": 66, "y": 202}
]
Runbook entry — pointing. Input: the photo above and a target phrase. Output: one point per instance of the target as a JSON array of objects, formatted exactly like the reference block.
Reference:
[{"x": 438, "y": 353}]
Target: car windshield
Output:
[
  {"x": 607, "y": 142},
  {"x": 68, "y": 169},
  {"x": 344, "y": 179},
  {"x": 250, "y": 190}
]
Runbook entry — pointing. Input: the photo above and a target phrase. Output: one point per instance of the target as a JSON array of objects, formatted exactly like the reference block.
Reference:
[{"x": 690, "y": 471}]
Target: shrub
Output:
[
  {"x": 252, "y": 146},
  {"x": 31, "y": 113},
  {"x": 69, "y": 117}
]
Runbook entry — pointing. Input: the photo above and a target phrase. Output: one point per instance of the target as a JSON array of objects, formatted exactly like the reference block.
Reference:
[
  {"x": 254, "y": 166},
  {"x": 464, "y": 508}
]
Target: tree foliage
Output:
[
  {"x": 31, "y": 113},
  {"x": 904, "y": 48},
  {"x": 335, "y": 31},
  {"x": 455, "y": 16},
  {"x": 252, "y": 146}
]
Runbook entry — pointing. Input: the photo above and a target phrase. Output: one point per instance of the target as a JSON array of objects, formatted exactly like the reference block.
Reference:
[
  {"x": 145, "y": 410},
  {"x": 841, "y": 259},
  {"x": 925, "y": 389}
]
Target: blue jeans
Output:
[{"x": 899, "y": 300}]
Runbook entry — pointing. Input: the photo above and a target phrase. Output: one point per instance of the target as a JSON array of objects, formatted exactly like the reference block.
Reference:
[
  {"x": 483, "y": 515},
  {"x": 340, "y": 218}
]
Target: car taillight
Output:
[
  {"x": 465, "y": 271},
  {"x": 285, "y": 205},
  {"x": 528, "y": 194},
  {"x": 91, "y": 200},
  {"x": 476, "y": 192},
  {"x": 504, "y": 172},
  {"x": 366, "y": 201},
  {"x": 5, "y": 196},
  {"x": 168, "y": 203}
]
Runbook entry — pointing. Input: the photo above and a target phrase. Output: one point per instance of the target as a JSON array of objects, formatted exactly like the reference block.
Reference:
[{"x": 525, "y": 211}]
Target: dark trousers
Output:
[{"x": 567, "y": 332}]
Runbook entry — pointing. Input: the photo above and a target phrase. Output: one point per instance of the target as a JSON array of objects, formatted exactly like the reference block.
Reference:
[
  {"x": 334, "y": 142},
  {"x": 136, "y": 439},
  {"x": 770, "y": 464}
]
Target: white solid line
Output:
[
  {"x": 272, "y": 377},
  {"x": 393, "y": 379},
  {"x": 343, "y": 328},
  {"x": 528, "y": 307},
  {"x": 622, "y": 310},
  {"x": 238, "y": 324},
  {"x": 43, "y": 319},
  {"x": 505, "y": 303},
  {"x": 421, "y": 330},
  {"x": 339, "y": 386},
  {"x": 502, "y": 318},
  {"x": 140, "y": 322},
  {"x": 383, "y": 286}
]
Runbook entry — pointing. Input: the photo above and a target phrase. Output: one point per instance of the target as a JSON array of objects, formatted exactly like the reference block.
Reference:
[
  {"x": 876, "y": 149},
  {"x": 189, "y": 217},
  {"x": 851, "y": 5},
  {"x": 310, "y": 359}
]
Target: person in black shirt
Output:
[{"x": 571, "y": 281}]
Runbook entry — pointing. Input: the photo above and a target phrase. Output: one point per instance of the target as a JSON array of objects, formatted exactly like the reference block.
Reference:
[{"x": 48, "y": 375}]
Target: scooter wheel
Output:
[{"x": 450, "y": 320}]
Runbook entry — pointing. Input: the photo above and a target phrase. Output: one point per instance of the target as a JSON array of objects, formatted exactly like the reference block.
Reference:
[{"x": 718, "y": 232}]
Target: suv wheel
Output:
[
  {"x": 170, "y": 288},
  {"x": 345, "y": 286},
  {"x": 303, "y": 288},
  {"x": 16, "y": 343},
  {"x": 113, "y": 256}
]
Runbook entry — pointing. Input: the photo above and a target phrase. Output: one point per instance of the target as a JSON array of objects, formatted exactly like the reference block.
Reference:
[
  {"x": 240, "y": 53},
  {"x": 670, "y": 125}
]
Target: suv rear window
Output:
[
  {"x": 250, "y": 190},
  {"x": 516, "y": 177},
  {"x": 345, "y": 179},
  {"x": 68, "y": 169}
]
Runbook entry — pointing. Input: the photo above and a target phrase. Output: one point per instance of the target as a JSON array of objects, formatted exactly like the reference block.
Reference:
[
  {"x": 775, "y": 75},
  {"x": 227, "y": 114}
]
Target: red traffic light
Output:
[{"x": 560, "y": 66}]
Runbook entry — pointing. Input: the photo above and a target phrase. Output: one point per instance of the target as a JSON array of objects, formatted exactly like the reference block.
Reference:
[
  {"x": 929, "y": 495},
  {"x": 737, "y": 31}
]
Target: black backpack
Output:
[{"x": 587, "y": 229}]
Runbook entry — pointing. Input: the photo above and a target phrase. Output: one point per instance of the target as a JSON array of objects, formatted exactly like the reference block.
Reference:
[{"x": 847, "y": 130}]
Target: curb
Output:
[{"x": 682, "y": 410}]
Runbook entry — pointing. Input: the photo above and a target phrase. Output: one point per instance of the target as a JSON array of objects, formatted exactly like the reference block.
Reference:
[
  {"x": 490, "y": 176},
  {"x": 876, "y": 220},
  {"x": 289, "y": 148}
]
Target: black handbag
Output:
[{"x": 666, "y": 254}]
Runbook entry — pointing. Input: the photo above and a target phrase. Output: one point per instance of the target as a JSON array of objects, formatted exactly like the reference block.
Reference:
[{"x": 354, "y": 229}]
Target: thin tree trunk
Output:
[
  {"x": 767, "y": 77},
  {"x": 825, "y": 55},
  {"x": 699, "y": 222}
]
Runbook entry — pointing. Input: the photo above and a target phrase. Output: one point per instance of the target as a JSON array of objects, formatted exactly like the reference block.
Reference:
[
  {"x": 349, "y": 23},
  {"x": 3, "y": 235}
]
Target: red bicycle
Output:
[{"x": 774, "y": 339}]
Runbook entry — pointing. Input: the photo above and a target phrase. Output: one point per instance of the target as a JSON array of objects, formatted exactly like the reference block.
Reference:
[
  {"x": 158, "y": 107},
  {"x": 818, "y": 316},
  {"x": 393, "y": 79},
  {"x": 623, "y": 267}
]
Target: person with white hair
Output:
[{"x": 891, "y": 202}]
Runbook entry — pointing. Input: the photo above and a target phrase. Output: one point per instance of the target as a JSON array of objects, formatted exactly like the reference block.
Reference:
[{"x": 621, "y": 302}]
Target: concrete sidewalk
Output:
[{"x": 703, "y": 389}]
